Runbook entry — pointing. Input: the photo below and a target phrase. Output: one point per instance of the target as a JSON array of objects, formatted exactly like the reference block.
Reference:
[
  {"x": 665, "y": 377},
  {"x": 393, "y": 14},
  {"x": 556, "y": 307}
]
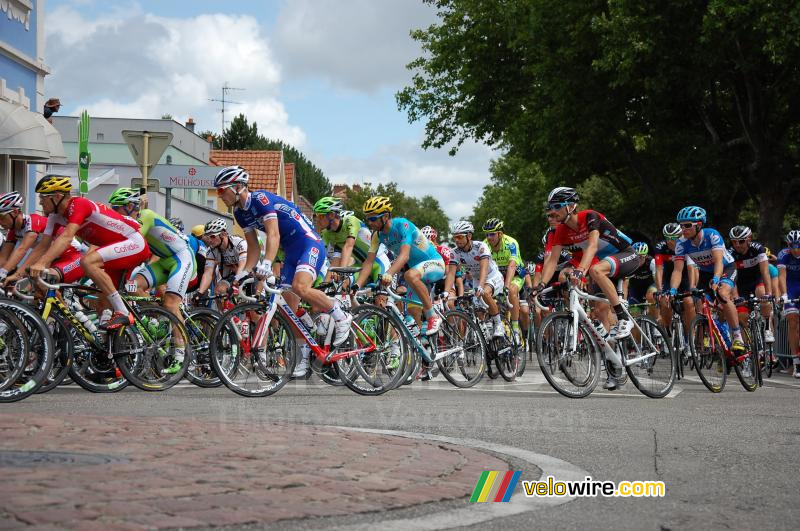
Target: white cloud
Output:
[
  {"x": 357, "y": 44},
  {"x": 132, "y": 64},
  {"x": 457, "y": 182}
]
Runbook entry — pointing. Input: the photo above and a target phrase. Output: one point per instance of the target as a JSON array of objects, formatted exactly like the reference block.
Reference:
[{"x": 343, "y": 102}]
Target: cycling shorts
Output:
[
  {"x": 431, "y": 272},
  {"x": 728, "y": 277},
  {"x": 638, "y": 289},
  {"x": 122, "y": 256},
  {"x": 623, "y": 263},
  {"x": 69, "y": 265},
  {"x": 305, "y": 256},
  {"x": 175, "y": 271}
]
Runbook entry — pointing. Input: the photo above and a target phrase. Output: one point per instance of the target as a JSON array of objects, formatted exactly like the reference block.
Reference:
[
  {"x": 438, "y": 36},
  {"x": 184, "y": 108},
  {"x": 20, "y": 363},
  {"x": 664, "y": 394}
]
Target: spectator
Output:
[{"x": 51, "y": 106}]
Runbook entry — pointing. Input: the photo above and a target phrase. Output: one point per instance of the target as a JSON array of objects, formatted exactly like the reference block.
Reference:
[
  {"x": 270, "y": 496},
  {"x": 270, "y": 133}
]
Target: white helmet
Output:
[
  {"x": 428, "y": 232},
  {"x": 740, "y": 232},
  {"x": 10, "y": 201},
  {"x": 793, "y": 237},
  {"x": 463, "y": 227},
  {"x": 231, "y": 175},
  {"x": 215, "y": 226},
  {"x": 671, "y": 230}
]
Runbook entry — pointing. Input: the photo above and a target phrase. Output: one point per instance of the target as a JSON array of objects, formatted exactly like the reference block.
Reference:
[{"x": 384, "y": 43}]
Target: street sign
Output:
[
  {"x": 158, "y": 141},
  {"x": 84, "y": 157},
  {"x": 185, "y": 176},
  {"x": 152, "y": 184}
]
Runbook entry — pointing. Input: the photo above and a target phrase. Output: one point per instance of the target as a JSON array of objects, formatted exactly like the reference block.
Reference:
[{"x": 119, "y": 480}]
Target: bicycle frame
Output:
[{"x": 716, "y": 334}]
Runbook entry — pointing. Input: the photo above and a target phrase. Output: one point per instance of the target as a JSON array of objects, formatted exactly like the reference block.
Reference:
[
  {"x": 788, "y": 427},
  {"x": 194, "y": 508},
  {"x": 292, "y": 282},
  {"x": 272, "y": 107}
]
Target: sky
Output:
[{"x": 320, "y": 75}]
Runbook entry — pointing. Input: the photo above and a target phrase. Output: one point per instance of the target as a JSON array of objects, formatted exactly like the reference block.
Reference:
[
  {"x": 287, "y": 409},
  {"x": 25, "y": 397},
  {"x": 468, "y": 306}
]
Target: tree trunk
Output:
[{"x": 774, "y": 201}]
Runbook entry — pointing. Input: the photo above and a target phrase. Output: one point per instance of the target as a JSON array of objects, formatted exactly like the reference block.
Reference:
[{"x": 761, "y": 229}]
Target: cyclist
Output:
[
  {"x": 410, "y": 248},
  {"x": 346, "y": 237},
  {"x": 117, "y": 245},
  {"x": 665, "y": 253},
  {"x": 789, "y": 268},
  {"x": 717, "y": 268},
  {"x": 447, "y": 255},
  {"x": 599, "y": 250},
  {"x": 177, "y": 223},
  {"x": 175, "y": 265},
  {"x": 508, "y": 257},
  {"x": 752, "y": 274},
  {"x": 227, "y": 255},
  {"x": 287, "y": 228},
  {"x": 639, "y": 287},
  {"x": 477, "y": 258}
]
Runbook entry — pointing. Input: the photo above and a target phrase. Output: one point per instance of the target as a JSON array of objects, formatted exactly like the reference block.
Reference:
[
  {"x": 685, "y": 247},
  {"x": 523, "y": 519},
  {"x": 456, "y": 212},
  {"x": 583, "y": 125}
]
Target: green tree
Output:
[
  {"x": 421, "y": 211},
  {"x": 670, "y": 103},
  {"x": 240, "y": 134}
]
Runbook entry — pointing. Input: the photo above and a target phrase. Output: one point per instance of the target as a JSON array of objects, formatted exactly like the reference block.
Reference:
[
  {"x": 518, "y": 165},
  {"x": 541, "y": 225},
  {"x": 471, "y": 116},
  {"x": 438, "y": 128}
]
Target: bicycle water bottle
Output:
[
  {"x": 412, "y": 326},
  {"x": 86, "y": 321},
  {"x": 725, "y": 331}
]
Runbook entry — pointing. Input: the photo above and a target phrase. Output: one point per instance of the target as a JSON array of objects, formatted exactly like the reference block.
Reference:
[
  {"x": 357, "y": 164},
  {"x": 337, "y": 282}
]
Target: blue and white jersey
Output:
[
  {"x": 792, "y": 266},
  {"x": 293, "y": 226},
  {"x": 710, "y": 240},
  {"x": 403, "y": 232}
]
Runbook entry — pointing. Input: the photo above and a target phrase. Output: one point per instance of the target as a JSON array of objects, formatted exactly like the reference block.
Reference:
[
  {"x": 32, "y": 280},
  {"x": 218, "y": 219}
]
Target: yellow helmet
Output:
[
  {"x": 50, "y": 184},
  {"x": 377, "y": 205},
  {"x": 198, "y": 230}
]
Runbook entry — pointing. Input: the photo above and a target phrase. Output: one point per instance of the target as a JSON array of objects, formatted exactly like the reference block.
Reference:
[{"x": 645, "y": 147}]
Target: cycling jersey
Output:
[
  {"x": 472, "y": 259},
  {"x": 31, "y": 223},
  {"x": 349, "y": 227},
  {"x": 563, "y": 261},
  {"x": 228, "y": 258},
  {"x": 508, "y": 249},
  {"x": 611, "y": 240},
  {"x": 747, "y": 265},
  {"x": 98, "y": 224},
  {"x": 710, "y": 240},
  {"x": 445, "y": 252},
  {"x": 164, "y": 239},
  {"x": 403, "y": 232},
  {"x": 645, "y": 271},
  {"x": 292, "y": 224},
  {"x": 792, "y": 266}
]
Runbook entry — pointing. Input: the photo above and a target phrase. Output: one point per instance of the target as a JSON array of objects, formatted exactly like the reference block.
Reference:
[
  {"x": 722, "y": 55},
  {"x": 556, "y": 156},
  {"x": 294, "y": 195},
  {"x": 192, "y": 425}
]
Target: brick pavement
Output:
[{"x": 187, "y": 473}]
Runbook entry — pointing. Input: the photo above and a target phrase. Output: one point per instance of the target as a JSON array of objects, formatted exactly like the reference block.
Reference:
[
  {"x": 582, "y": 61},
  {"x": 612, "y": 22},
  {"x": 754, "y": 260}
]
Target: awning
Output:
[{"x": 26, "y": 135}]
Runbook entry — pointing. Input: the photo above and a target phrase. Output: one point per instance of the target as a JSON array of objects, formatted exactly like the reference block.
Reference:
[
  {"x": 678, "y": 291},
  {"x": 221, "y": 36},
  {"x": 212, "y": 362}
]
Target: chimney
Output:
[{"x": 190, "y": 124}]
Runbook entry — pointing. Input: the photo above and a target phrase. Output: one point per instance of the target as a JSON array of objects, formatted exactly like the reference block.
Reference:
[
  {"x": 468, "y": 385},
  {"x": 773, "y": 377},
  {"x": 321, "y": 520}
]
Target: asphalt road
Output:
[{"x": 727, "y": 460}]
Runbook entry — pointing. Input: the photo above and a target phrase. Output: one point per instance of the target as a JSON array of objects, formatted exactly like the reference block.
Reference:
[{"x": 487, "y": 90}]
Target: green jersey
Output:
[
  {"x": 350, "y": 227},
  {"x": 164, "y": 239},
  {"x": 509, "y": 249}
]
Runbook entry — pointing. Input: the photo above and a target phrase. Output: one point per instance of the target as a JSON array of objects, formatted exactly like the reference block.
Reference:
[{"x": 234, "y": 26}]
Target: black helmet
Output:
[{"x": 562, "y": 194}]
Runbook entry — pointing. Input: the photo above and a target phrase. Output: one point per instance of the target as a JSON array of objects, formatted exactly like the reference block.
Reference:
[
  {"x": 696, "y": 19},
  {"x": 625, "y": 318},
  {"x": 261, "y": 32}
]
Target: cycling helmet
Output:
[
  {"x": 177, "y": 223},
  {"x": 463, "y": 227},
  {"x": 793, "y": 237},
  {"x": 10, "y": 201},
  {"x": 691, "y": 213},
  {"x": 230, "y": 176},
  {"x": 50, "y": 184},
  {"x": 328, "y": 204},
  {"x": 377, "y": 205},
  {"x": 562, "y": 194},
  {"x": 493, "y": 225},
  {"x": 215, "y": 226},
  {"x": 740, "y": 232},
  {"x": 672, "y": 230},
  {"x": 346, "y": 214},
  {"x": 429, "y": 232},
  {"x": 547, "y": 235},
  {"x": 198, "y": 230},
  {"x": 124, "y": 196},
  {"x": 641, "y": 248}
]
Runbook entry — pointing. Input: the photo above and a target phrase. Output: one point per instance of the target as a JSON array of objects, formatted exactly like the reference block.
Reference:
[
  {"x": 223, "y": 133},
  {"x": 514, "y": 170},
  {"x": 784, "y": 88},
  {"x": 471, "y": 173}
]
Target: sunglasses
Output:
[
  {"x": 671, "y": 238},
  {"x": 492, "y": 234},
  {"x": 738, "y": 241},
  {"x": 794, "y": 246},
  {"x": 373, "y": 219},
  {"x": 221, "y": 191},
  {"x": 555, "y": 206},
  {"x": 687, "y": 225}
]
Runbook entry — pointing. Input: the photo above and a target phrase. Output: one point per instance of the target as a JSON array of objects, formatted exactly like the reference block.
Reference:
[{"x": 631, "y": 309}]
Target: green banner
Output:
[{"x": 84, "y": 157}]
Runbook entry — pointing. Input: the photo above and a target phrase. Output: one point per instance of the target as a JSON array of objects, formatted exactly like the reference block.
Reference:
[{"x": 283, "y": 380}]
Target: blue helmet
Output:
[
  {"x": 641, "y": 248},
  {"x": 691, "y": 213}
]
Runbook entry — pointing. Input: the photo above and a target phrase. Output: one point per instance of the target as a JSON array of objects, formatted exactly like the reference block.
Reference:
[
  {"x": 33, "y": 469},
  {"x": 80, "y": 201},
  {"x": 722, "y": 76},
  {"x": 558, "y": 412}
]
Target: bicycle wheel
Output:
[
  {"x": 158, "y": 352},
  {"x": 62, "y": 359},
  {"x": 249, "y": 365},
  {"x": 380, "y": 368},
  {"x": 508, "y": 354},
  {"x": 574, "y": 374},
  {"x": 709, "y": 361},
  {"x": 200, "y": 325},
  {"x": 654, "y": 371},
  {"x": 38, "y": 356},
  {"x": 746, "y": 365},
  {"x": 465, "y": 367},
  {"x": 13, "y": 348},
  {"x": 523, "y": 352},
  {"x": 93, "y": 369}
]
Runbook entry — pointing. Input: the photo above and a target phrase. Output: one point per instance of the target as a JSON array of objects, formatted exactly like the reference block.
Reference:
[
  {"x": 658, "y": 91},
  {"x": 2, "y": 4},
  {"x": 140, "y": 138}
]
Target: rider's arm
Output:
[
  {"x": 450, "y": 278},
  {"x": 510, "y": 272},
  {"x": 19, "y": 253},
  {"x": 659, "y": 277},
  {"x": 677, "y": 271},
  {"x": 717, "y": 255},
  {"x": 58, "y": 246},
  {"x": 764, "y": 267},
  {"x": 782, "y": 280},
  {"x": 347, "y": 251},
  {"x": 366, "y": 266},
  {"x": 5, "y": 250},
  {"x": 549, "y": 267},
  {"x": 484, "y": 271},
  {"x": 273, "y": 242},
  {"x": 400, "y": 261},
  {"x": 253, "y": 252}
]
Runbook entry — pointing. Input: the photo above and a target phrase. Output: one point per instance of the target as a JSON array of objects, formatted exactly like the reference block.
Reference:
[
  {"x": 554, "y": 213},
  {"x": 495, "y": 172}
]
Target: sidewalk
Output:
[{"x": 139, "y": 472}]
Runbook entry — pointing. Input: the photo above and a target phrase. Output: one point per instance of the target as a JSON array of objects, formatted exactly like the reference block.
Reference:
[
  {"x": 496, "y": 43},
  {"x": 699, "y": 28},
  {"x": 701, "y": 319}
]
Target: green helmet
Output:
[
  {"x": 328, "y": 204},
  {"x": 124, "y": 196}
]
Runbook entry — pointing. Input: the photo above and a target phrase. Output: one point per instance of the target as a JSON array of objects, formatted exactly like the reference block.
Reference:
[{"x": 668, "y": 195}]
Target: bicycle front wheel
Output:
[
  {"x": 465, "y": 366},
  {"x": 573, "y": 373},
  {"x": 200, "y": 325},
  {"x": 709, "y": 359},
  {"x": 650, "y": 359},
  {"x": 38, "y": 354},
  {"x": 746, "y": 366}
]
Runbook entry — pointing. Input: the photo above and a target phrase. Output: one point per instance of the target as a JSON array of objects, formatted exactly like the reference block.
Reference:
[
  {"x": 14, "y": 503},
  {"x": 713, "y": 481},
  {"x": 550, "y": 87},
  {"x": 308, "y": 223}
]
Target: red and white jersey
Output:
[
  {"x": 99, "y": 225},
  {"x": 31, "y": 223},
  {"x": 446, "y": 253}
]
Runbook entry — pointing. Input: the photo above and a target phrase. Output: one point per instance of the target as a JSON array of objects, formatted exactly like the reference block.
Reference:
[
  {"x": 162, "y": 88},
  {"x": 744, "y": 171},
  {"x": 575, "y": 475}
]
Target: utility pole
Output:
[{"x": 223, "y": 101}]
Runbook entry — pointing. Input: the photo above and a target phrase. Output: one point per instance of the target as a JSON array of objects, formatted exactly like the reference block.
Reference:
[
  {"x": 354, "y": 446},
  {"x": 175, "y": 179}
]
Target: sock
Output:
[
  {"x": 515, "y": 325},
  {"x": 337, "y": 313},
  {"x": 305, "y": 352},
  {"x": 737, "y": 333},
  {"x": 428, "y": 314},
  {"x": 116, "y": 302},
  {"x": 496, "y": 318},
  {"x": 620, "y": 312}
]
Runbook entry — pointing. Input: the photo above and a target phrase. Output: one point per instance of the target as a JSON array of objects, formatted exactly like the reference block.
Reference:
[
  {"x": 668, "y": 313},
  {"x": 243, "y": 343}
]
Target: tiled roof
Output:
[
  {"x": 288, "y": 170},
  {"x": 263, "y": 167},
  {"x": 305, "y": 206}
]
